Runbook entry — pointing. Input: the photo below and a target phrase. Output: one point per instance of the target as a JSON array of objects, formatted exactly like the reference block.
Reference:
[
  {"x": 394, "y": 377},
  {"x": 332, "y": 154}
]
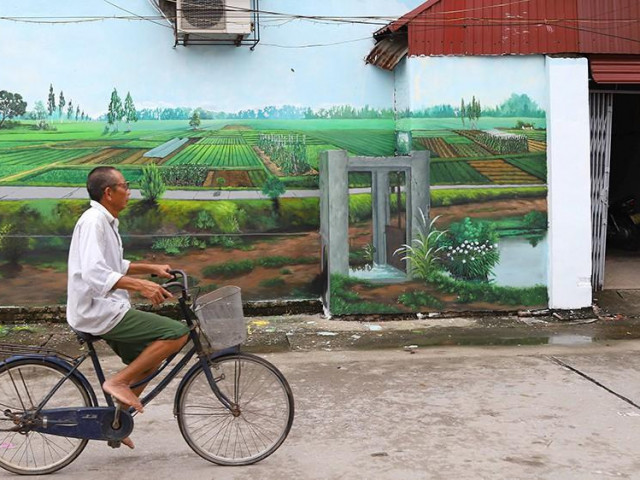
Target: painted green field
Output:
[
  {"x": 26, "y": 160},
  {"x": 232, "y": 156},
  {"x": 74, "y": 176},
  {"x": 359, "y": 142},
  {"x": 452, "y": 173},
  {"x": 535, "y": 165}
]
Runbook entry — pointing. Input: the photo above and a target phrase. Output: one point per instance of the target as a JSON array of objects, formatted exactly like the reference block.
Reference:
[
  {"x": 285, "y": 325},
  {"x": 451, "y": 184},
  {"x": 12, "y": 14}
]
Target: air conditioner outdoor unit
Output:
[{"x": 214, "y": 18}]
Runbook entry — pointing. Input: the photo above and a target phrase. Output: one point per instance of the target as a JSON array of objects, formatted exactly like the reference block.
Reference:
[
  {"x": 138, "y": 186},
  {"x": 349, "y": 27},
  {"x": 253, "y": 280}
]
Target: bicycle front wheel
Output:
[
  {"x": 254, "y": 429},
  {"x": 23, "y": 385}
]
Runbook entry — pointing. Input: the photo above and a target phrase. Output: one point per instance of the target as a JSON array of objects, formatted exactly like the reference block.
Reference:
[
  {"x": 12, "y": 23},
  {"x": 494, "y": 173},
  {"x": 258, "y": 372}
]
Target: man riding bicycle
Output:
[{"x": 99, "y": 279}]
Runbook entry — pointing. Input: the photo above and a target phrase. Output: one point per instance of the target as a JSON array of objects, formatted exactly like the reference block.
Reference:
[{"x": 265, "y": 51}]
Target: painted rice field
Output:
[
  {"x": 500, "y": 172},
  {"x": 217, "y": 156},
  {"x": 358, "y": 142},
  {"x": 438, "y": 147},
  {"x": 456, "y": 173},
  {"x": 534, "y": 165},
  {"x": 112, "y": 156},
  {"x": 27, "y": 160},
  {"x": 73, "y": 176}
]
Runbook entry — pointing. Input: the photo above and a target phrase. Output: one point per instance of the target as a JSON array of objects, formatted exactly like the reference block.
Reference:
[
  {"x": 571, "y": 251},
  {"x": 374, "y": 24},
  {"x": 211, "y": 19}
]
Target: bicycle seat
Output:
[{"x": 86, "y": 337}]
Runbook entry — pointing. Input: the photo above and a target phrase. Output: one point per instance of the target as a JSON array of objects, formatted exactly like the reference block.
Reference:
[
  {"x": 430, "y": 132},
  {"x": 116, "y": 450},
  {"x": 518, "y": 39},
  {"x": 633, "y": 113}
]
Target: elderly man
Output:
[{"x": 98, "y": 285}]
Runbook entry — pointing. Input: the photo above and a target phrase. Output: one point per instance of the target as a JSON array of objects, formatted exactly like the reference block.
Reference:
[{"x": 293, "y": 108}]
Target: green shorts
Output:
[{"x": 138, "y": 329}]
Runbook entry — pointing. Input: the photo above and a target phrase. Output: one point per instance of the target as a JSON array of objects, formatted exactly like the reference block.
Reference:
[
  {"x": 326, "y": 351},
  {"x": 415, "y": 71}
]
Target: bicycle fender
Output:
[
  {"x": 60, "y": 363},
  {"x": 192, "y": 371}
]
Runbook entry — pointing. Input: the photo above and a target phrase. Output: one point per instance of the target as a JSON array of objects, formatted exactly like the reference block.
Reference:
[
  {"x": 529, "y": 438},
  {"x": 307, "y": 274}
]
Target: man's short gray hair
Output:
[{"x": 100, "y": 178}]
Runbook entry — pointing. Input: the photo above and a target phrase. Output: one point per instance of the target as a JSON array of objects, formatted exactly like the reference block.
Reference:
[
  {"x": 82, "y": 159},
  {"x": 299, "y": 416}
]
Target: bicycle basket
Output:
[{"x": 220, "y": 317}]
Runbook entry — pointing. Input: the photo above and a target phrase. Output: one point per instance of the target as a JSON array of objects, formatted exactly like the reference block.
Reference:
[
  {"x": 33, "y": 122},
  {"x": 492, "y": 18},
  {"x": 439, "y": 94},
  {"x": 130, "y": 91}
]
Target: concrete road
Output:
[{"x": 439, "y": 413}]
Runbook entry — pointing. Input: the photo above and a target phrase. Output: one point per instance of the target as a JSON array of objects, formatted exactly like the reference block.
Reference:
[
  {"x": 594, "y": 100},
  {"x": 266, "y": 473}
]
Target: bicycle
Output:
[{"x": 233, "y": 408}]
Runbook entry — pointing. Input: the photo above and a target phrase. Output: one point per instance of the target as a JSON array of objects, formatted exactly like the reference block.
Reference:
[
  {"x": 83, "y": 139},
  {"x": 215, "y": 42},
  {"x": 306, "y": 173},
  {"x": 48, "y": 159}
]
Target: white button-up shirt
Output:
[{"x": 96, "y": 264}]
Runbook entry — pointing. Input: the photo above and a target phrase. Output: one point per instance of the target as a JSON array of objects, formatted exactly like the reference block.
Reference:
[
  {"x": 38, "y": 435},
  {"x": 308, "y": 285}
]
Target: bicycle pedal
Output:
[{"x": 114, "y": 443}]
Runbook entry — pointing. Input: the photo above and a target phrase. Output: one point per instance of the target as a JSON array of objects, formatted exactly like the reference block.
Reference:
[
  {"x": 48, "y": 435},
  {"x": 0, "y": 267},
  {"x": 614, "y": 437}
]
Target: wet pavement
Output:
[
  {"x": 528, "y": 412},
  {"x": 291, "y": 333}
]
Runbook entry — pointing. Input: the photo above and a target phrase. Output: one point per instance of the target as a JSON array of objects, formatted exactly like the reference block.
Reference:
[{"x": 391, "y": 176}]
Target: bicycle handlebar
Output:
[{"x": 179, "y": 279}]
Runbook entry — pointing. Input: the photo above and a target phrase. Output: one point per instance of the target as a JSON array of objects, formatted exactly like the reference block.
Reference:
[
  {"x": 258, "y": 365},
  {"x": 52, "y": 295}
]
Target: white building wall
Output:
[{"x": 568, "y": 157}]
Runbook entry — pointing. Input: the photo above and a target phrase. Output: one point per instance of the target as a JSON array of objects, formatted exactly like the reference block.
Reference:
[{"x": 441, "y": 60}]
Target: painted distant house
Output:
[{"x": 450, "y": 171}]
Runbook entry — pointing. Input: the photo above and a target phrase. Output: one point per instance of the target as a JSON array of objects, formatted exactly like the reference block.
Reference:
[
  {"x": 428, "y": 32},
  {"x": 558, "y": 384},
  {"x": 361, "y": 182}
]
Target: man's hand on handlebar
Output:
[
  {"x": 153, "y": 292},
  {"x": 161, "y": 271}
]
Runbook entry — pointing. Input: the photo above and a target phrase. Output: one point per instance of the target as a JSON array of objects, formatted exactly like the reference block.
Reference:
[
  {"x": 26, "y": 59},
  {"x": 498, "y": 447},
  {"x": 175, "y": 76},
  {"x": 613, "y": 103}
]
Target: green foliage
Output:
[
  {"x": 279, "y": 261},
  {"x": 535, "y": 220},
  {"x": 344, "y": 301},
  {"x": 471, "y": 249},
  {"x": 359, "y": 208},
  {"x": 425, "y": 252},
  {"x": 13, "y": 246},
  {"x": 175, "y": 245},
  {"x": 468, "y": 291},
  {"x": 522, "y": 125},
  {"x": 465, "y": 196},
  {"x": 151, "y": 185},
  {"x": 115, "y": 111},
  {"x": 185, "y": 175},
  {"x": 204, "y": 221},
  {"x": 195, "y": 121},
  {"x": 11, "y": 105},
  {"x": 418, "y": 299},
  {"x": 235, "y": 268},
  {"x": 289, "y": 152},
  {"x": 272, "y": 282},
  {"x": 273, "y": 188},
  {"x": 285, "y": 271},
  {"x": 504, "y": 144},
  {"x": 228, "y": 269}
]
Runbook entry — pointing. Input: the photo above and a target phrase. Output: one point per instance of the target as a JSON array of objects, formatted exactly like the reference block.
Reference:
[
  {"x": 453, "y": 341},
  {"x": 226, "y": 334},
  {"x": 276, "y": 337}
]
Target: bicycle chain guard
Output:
[{"x": 91, "y": 423}]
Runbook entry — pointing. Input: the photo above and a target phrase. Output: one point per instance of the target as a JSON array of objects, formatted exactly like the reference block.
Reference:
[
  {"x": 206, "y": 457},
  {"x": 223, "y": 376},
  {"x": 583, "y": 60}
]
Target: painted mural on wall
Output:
[
  {"x": 483, "y": 242},
  {"x": 220, "y": 144}
]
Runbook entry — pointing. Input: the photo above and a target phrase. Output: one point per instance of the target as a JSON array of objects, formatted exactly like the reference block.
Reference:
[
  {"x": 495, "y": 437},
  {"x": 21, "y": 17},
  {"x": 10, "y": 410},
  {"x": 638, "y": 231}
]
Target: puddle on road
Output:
[{"x": 568, "y": 339}]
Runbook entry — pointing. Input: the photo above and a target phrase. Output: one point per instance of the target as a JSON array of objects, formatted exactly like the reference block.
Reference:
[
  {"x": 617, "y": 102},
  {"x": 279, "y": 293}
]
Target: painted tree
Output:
[
  {"x": 130, "y": 113},
  {"x": 115, "y": 111},
  {"x": 40, "y": 114},
  {"x": 77, "y": 112},
  {"x": 83, "y": 116},
  {"x": 70, "y": 110},
  {"x": 51, "y": 101},
  {"x": 474, "y": 111},
  {"x": 195, "y": 120},
  {"x": 11, "y": 105},
  {"x": 273, "y": 188},
  {"x": 61, "y": 103},
  {"x": 463, "y": 112}
]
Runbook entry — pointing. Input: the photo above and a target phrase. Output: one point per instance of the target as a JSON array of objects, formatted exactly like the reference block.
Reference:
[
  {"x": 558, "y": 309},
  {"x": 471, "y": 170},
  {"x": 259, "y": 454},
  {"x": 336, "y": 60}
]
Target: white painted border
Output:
[{"x": 569, "y": 180}]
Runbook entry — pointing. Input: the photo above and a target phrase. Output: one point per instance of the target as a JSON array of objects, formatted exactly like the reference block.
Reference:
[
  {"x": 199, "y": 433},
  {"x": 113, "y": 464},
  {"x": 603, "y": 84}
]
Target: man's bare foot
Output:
[
  {"x": 123, "y": 394},
  {"x": 128, "y": 442}
]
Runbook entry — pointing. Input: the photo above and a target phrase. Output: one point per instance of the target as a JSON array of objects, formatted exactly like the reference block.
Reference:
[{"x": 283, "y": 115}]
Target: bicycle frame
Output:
[{"x": 203, "y": 359}]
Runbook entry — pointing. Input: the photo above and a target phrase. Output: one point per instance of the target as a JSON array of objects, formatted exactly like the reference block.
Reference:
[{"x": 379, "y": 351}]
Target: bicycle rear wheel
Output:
[
  {"x": 261, "y": 423},
  {"x": 23, "y": 385}
]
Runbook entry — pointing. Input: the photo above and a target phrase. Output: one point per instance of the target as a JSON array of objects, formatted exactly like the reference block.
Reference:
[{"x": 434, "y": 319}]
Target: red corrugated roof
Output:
[
  {"x": 615, "y": 68},
  {"x": 501, "y": 27}
]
